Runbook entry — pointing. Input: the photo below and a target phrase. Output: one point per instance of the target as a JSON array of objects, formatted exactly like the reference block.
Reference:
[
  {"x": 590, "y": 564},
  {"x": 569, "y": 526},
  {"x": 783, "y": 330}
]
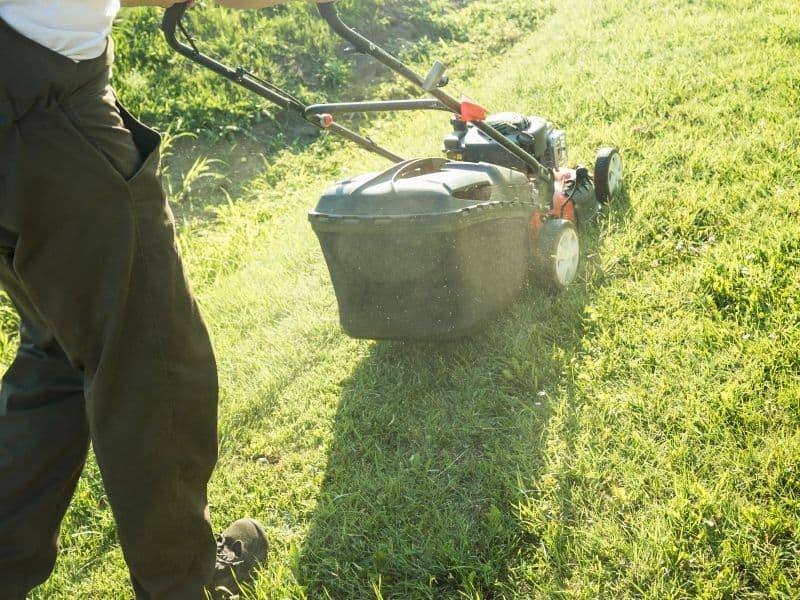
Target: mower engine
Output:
[
  {"x": 535, "y": 135},
  {"x": 572, "y": 195}
]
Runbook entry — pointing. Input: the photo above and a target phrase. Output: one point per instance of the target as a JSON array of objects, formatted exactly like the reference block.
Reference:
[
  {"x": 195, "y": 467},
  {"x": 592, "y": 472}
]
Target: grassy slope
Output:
[{"x": 634, "y": 437}]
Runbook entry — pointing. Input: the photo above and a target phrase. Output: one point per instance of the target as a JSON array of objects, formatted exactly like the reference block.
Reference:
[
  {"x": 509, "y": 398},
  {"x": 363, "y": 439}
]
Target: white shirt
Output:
[{"x": 75, "y": 28}]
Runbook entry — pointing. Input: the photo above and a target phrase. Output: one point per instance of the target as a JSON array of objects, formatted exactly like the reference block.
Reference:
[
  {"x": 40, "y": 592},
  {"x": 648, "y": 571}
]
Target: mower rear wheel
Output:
[
  {"x": 607, "y": 173},
  {"x": 558, "y": 254}
]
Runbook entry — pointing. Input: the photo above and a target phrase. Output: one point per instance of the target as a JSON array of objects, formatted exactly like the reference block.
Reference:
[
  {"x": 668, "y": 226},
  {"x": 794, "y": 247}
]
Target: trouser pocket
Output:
[{"x": 104, "y": 124}]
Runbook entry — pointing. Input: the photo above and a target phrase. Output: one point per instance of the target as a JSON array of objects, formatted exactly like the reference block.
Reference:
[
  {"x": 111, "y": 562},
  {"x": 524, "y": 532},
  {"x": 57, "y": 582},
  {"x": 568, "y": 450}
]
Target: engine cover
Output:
[{"x": 469, "y": 144}]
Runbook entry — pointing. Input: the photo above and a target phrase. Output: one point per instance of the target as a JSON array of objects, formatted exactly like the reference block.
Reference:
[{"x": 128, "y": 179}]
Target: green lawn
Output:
[{"x": 634, "y": 437}]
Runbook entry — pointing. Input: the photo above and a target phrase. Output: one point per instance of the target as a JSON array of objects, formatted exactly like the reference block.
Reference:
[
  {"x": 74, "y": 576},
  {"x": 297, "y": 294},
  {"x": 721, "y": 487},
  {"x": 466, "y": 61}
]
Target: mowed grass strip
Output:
[{"x": 635, "y": 437}]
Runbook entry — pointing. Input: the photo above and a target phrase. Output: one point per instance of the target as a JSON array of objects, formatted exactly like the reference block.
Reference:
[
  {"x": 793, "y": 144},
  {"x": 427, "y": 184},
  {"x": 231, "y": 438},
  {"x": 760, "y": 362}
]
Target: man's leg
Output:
[
  {"x": 43, "y": 443},
  {"x": 152, "y": 388},
  {"x": 96, "y": 255}
]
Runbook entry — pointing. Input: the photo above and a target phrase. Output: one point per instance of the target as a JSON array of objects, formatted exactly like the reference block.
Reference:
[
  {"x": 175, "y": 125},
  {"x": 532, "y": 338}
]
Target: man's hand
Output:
[
  {"x": 228, "y": 3},
  {"x": 261, "y": 3},
  {"x": 161, "y": 3}
]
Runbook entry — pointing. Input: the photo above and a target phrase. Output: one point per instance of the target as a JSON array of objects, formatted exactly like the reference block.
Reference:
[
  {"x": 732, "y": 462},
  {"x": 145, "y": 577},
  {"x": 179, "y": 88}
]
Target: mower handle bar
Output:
[
  {"x": 377, "y": 106},
  {"x": 361, "y": 44},
  {"x": 172, "y": 21},
  {"x": 169, "y": 23}
]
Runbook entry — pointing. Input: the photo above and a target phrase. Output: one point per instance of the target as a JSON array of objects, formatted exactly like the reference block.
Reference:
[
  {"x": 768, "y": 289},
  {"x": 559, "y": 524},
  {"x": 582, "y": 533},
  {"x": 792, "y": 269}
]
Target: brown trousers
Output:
[{"x": 113, "y": 349}]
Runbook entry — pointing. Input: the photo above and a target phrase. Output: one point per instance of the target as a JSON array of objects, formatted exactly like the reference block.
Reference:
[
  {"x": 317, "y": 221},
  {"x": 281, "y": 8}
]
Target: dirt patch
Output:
[{"x": 233, "y": 159}]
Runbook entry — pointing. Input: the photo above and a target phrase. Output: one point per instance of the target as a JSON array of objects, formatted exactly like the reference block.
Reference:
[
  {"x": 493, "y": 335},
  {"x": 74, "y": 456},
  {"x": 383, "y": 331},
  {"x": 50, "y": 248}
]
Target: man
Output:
[{"x": 112, "y": 348}]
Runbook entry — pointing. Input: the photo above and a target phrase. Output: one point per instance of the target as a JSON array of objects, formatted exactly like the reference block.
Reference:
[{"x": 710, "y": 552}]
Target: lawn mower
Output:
[{"x": 433, "y": 248}]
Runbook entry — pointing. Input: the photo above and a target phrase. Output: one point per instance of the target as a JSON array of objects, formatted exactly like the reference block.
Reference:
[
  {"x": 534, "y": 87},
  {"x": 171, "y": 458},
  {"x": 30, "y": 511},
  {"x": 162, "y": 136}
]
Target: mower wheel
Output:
[
  {"x": 558, "y": 254},
  {"x": 607, "y": 173}
]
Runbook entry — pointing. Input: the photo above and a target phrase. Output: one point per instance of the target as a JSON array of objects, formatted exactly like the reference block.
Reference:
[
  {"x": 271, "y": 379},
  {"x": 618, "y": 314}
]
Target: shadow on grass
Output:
[
  {"x": 433, "y": 446},
  {"x": 232, "y": 162}
]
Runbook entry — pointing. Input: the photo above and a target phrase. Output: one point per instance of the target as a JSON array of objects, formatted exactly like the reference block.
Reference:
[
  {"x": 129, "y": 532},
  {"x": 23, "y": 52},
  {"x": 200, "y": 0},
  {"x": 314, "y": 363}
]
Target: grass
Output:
[{"x": 634, "y": 437}]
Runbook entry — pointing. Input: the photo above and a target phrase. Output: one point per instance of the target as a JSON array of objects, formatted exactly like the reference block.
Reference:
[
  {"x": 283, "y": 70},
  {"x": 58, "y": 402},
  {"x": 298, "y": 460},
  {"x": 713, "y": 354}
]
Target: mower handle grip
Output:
[
  {"x": 174, "y": 14},
  {"x": 172, "y": 17}
]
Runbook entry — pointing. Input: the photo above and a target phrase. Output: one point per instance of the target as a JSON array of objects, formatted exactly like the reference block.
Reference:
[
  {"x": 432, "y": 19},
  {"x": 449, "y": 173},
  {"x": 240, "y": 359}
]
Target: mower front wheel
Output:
[
  {"x": 607, "y": 174},
  {"x": 558, "y": 254}
]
